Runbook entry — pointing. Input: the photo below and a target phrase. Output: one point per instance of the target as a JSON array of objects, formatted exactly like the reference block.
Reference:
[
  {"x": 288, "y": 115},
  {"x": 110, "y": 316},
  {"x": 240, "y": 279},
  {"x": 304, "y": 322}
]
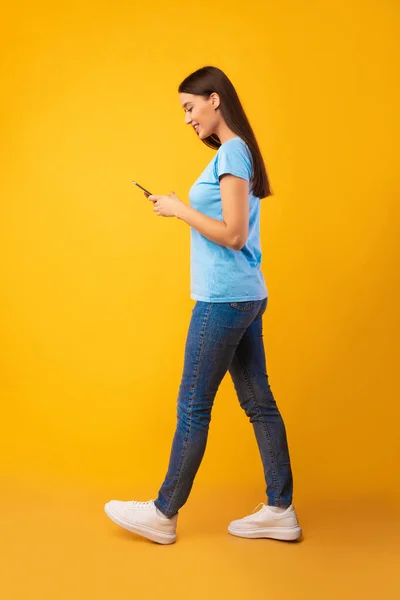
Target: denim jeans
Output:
[{"x": 225, "y": 337}]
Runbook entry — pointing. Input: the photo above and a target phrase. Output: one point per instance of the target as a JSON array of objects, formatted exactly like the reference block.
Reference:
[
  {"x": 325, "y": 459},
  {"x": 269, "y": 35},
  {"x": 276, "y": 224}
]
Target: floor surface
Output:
[{"x": 57, "y": 542}]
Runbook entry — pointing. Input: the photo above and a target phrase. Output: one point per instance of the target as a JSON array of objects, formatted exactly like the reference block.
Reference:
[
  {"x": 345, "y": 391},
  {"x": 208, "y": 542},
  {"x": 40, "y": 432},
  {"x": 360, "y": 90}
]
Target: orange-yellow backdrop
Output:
[{"x": 95, "y": 288}]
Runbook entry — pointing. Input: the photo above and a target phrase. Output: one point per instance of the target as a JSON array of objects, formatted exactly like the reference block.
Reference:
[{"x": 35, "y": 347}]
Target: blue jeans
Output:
[{"x": 225, "y": 336}]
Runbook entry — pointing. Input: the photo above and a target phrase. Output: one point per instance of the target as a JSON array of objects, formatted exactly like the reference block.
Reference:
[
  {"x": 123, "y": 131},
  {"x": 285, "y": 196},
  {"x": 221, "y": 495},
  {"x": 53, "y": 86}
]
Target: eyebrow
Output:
[{"x": 188, "y": 102}]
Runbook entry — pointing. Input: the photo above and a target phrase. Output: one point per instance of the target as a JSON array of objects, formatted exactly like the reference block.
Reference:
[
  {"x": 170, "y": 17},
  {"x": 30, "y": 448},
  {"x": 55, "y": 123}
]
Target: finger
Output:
[{"x": 152, "y": 198}]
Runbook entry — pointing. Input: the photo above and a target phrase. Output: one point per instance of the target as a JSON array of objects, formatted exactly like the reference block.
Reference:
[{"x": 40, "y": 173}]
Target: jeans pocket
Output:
[{"x": 244, "y": 306}]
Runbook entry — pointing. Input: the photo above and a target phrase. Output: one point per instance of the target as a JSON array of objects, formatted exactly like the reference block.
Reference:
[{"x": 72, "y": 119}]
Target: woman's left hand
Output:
[{"x": 166, "y": 206}]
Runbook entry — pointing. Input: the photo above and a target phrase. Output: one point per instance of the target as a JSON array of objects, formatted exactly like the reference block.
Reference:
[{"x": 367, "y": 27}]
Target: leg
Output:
[
  {"x": 214, "y": 334},
  {"x": 249, "y": 375}
]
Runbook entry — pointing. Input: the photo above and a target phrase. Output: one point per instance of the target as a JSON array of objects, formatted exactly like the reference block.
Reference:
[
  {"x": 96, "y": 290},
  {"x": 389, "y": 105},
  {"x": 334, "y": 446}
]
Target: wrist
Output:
[{"x": 180, "y": 210}]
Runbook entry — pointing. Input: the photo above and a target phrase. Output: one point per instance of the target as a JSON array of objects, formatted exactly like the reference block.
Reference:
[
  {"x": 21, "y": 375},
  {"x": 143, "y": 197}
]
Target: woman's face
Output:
[{"x": 200, "y": 113}]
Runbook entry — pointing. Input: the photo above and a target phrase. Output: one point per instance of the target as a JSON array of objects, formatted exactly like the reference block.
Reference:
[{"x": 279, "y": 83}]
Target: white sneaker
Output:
[
  {"x": 268, "y": 524},
  {"x": 144, "y": 519}
]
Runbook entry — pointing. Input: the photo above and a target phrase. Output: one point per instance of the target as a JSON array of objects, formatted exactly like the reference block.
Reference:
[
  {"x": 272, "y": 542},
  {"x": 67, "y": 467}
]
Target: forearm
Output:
[{"x": 213, "y": 229}]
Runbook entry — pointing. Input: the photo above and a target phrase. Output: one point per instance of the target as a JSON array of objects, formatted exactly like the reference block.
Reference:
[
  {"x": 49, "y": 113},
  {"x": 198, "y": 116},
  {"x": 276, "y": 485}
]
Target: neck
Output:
[{"x": 224, "y": 133}]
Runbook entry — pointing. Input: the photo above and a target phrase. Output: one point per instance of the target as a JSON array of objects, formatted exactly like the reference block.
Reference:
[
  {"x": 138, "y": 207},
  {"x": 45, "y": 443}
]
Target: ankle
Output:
[{"x": 161, "y": 514}]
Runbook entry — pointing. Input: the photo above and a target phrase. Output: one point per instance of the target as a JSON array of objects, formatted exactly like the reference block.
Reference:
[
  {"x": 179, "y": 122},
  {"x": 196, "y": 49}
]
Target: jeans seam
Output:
[
  {"x": 192, "y": 388},
  {"x": 264, "y": 425}
]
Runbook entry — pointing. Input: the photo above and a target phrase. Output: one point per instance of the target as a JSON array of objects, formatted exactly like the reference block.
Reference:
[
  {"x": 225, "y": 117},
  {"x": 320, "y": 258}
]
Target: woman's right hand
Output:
[{"x": 147, "y": 195}]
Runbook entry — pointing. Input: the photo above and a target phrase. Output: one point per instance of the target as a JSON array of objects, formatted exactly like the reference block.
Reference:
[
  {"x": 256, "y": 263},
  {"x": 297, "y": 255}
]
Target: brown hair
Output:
[{"x": 204, "y": 82}]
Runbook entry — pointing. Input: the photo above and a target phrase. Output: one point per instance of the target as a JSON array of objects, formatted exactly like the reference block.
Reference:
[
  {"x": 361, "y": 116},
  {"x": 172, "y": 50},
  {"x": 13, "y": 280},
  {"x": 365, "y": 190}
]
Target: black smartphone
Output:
[{"x": 142, "y": 188}]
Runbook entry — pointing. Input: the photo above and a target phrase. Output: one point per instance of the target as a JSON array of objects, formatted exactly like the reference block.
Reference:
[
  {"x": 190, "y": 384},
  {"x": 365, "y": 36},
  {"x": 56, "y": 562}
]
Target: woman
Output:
[{"x": 225, "y": 332}]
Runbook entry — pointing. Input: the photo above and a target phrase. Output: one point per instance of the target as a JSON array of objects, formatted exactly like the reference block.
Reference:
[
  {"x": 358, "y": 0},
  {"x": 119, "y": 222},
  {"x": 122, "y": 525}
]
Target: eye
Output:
[{"x": 190, "y": 109}]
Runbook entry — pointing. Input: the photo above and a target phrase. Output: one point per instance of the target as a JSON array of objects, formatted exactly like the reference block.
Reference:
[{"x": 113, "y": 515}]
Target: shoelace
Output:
[
  {"x": 136, "y": 504},
  {"x": 261, "y": 504}
]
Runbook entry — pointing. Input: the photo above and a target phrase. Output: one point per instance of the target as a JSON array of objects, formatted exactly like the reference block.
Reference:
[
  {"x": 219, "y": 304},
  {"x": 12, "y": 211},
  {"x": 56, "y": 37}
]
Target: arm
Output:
[{"x": 232, "y": 231}]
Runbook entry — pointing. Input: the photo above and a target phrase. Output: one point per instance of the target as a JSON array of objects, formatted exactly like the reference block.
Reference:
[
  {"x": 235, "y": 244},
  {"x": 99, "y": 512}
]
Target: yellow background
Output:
[{"x": 95, "y": 287}]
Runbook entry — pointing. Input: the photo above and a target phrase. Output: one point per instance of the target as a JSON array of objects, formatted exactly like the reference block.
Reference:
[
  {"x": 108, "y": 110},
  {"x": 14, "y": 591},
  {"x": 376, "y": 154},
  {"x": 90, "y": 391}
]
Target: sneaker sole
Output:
[
  {"x": 277, "y": 533},
  {"x": 151, "y": 534}
]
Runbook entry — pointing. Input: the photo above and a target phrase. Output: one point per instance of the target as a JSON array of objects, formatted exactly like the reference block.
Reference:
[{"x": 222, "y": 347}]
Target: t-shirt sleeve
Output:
[{"x": 234, "y": 158}]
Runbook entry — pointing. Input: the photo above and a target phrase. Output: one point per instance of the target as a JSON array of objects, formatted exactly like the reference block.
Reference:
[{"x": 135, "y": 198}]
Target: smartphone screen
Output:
[{"x": 142, "y": 188}]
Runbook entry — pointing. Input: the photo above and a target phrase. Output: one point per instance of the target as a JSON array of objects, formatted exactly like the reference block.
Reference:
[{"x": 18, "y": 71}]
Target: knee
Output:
[
  {"x": 194, "y": 415},
  {"x": 256, "y": 408}
]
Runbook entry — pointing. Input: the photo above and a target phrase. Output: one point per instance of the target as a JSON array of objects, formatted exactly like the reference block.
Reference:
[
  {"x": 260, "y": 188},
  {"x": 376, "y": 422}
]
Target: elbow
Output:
[{"x": 237, "y": 243}]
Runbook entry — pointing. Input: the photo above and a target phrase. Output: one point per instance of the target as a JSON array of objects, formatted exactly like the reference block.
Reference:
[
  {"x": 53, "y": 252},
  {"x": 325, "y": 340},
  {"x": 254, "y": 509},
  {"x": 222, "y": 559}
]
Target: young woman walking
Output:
[{"x": 225, "y": 332}]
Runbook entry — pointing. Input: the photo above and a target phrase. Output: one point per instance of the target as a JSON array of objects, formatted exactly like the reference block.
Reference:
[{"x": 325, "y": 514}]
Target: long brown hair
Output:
[{"x": 204, "y": 82}]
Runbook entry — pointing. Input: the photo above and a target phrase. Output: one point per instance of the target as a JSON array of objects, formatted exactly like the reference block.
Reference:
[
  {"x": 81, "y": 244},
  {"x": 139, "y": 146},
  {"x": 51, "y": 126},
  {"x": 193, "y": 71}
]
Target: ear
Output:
[{"x": 215, "y": 100}]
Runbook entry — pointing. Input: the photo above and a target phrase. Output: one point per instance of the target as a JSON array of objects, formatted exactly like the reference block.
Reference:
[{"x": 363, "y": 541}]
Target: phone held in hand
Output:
[{"x": 142, "y": 188}]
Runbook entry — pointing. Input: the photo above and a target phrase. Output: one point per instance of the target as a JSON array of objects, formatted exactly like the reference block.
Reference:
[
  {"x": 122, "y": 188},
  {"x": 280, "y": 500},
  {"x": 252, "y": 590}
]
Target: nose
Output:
[{"x": 188, "y": 119}]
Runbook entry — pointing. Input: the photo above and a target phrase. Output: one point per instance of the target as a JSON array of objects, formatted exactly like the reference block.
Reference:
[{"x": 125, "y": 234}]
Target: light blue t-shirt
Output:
[{"x": 218, "y": 273}]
